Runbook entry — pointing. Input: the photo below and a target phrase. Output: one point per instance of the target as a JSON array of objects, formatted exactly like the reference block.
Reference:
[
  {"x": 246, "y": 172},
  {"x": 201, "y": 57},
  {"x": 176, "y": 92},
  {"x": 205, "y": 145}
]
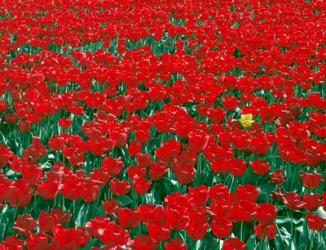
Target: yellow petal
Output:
[{"x": 246, "y": 120}]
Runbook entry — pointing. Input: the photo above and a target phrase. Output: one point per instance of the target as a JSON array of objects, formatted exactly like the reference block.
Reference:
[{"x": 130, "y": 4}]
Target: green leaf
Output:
[
  {"x": 251, "y": 242},
  {"x": 125, "y": 200}
]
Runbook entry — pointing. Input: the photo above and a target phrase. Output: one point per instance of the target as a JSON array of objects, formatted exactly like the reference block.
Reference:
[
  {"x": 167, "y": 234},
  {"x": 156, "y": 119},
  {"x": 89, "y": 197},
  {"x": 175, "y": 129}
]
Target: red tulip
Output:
[
  {"x": 221, "y": 227},
  {"x": 311, "y": 180},
  {"x": 268, "y": 231},
  {"x": 233, "y": 244},
  {"x": 315, "y": 222}
]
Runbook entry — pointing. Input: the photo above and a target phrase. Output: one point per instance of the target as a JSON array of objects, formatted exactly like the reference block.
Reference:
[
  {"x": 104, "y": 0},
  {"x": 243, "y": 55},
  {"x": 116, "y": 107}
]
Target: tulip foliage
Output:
[{"x": 160, "y": 124}]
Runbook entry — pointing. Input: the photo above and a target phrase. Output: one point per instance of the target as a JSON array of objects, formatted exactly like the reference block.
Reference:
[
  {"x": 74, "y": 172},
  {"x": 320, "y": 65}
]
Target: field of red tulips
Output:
[{"x": 158, "y": 124}]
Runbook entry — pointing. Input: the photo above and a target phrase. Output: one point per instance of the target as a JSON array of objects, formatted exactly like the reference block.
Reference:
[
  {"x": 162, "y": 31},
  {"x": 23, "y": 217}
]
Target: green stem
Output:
[
  {"x": 241, "y": 230},
  {"x": 292, "y": 228},
  {"x": 311, "y": 244}
]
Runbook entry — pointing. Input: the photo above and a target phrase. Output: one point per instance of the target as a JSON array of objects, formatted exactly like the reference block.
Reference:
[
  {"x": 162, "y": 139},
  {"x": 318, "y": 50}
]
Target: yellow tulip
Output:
[{"x": 246, "y": 120}]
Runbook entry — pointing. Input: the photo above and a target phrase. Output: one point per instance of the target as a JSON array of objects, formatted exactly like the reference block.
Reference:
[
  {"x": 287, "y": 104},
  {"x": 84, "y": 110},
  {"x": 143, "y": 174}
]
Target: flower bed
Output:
[{"x": 162, "y": 124}]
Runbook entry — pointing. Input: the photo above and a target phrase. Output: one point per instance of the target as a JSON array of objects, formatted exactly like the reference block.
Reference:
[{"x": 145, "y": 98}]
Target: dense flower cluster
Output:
[{"x": 162, "y": 124}]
